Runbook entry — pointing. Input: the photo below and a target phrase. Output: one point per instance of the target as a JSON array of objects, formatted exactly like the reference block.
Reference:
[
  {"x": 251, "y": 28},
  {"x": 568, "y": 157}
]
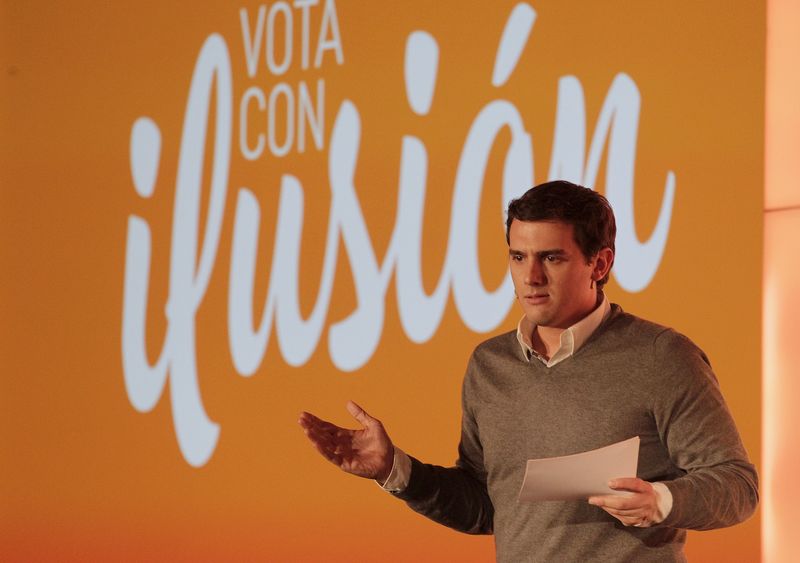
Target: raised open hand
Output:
[{"x": 367, "y": 452}]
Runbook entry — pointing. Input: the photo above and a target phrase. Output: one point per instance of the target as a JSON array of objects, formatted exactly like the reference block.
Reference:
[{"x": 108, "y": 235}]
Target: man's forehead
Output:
[
  {"x": 533, "y": 230},
  {"x": 537, "y": 237}
]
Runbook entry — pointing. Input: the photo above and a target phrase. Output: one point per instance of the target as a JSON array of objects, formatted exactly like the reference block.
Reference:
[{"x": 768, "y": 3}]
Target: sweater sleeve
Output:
[
  {"x": 456, "y": 497},
  {"x": 719, "y": 486}
]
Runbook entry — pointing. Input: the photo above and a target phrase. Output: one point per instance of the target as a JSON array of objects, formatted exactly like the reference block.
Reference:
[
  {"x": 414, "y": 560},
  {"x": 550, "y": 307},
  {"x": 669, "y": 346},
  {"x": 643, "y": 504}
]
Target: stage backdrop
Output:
[{"x": 216, "y": 215}]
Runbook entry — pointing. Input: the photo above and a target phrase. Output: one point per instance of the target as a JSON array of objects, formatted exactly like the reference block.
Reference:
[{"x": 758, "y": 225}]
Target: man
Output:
[{"x": 578, "y": 373}]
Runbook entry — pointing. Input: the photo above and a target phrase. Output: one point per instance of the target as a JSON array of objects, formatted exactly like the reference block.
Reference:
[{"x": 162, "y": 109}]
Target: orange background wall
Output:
[{"x": 87, "y": 476}]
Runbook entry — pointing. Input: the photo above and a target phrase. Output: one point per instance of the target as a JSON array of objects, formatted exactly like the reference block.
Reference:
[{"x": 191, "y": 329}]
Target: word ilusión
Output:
[{"x": 353, "y": 340}]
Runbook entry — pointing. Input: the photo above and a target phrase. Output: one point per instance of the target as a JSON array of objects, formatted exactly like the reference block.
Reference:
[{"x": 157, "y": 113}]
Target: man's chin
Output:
[{"x": 538, "y": 318}]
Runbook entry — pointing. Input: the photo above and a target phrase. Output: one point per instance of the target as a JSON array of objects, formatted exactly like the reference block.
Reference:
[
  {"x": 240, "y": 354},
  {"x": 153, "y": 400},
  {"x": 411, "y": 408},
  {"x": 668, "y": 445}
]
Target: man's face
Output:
[{"x": 552, "y": 280}]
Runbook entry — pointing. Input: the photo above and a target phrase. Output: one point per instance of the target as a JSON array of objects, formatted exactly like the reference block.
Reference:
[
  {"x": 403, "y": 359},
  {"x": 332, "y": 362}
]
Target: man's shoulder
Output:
[
  {"x": 621, "y": 321},
  {"x": 629, "y": 327}
]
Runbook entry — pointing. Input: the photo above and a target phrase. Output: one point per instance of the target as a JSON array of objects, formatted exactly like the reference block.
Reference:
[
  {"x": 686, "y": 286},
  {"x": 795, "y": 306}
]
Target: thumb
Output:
[{"x": 360, "y": 414}]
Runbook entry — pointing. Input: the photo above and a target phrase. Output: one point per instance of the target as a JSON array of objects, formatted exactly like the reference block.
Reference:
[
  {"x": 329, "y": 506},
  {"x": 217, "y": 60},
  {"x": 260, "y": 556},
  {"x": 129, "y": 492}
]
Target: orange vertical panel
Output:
[
  {"x": 781, "y": 457},
  {"x": 783, "y": 111},
  {"x": 781, "y": 488}
]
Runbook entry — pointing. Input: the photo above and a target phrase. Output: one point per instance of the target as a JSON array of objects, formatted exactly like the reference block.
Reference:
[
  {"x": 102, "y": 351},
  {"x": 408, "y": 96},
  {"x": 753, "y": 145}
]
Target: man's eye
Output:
[
  {"x": 516, "y": 257},
  {"x": 552, "y": 258}
]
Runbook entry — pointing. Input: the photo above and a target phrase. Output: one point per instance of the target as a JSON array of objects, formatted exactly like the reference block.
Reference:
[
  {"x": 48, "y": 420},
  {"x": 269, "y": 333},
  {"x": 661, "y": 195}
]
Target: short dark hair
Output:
[{"x": 587, "y": 211}]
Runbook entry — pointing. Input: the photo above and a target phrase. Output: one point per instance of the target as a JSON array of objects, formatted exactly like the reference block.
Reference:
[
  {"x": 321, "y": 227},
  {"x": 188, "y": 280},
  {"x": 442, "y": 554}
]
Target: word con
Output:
[{"x": 292, "y": 108}]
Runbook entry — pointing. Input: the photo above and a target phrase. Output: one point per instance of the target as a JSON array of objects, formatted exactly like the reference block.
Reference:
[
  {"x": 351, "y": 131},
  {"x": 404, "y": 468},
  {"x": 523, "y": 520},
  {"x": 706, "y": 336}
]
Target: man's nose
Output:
[{"x": 536, "y": 274}]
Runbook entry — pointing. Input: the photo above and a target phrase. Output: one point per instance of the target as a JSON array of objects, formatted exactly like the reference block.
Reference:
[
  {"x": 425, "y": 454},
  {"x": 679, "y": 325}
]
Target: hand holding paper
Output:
[
  {"x": 580, "y": 476},
  {"x": 639, "y": 509},
  {"x": 607, "y": 476}
]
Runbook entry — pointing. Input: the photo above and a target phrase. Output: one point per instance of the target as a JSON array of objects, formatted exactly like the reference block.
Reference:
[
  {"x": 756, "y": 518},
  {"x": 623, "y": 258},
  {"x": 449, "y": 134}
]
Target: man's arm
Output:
[
  {"x": 456, "y": 497},
  {"x": 453, "y": 496},
  {"x": 720, "y": 485}
]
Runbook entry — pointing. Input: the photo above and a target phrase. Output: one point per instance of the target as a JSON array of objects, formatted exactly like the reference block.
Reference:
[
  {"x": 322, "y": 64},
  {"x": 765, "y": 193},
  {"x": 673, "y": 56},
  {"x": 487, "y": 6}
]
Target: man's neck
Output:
[{"x": 546, "y": 340}]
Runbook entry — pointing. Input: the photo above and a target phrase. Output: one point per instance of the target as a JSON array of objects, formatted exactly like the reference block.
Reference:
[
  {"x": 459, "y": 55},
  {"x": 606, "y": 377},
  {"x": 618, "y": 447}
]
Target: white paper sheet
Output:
[{"x": 580, "y": 476}]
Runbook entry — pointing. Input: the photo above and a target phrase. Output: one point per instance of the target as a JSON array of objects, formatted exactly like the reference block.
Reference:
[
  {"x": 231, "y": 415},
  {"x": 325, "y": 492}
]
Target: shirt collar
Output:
[{"x": 571, "y": 339}]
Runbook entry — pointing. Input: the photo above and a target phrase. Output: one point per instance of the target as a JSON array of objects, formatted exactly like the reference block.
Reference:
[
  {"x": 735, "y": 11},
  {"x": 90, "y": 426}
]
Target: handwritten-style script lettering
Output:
[{"x": 353, "y": 340}]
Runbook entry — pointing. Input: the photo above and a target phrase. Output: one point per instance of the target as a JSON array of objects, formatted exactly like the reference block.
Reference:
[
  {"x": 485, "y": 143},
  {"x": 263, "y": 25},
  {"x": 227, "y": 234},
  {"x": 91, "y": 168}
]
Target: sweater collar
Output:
[{"x": 571, "y": 339}]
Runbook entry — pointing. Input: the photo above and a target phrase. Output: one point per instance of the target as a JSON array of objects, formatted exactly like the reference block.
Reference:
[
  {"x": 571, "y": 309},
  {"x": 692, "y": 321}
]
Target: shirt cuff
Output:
[
  {"x": 400, "y": 474},
  {"x": 663, "y": 501}
]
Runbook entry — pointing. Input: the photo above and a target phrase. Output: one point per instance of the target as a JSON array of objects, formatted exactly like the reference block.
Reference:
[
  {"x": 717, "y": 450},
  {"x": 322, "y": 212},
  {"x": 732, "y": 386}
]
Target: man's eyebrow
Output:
[
  {"x": 540, "y": 253},
  {"x": 556, "y": 251}
]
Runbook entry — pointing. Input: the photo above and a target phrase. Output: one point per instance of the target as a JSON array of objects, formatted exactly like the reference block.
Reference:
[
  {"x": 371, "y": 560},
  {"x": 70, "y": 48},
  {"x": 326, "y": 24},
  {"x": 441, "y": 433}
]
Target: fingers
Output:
[
  {"x": 636, "y": 516},
  {"x": 328, "y": 434},
  {"x": 632, "y": 484},
  {"x": 360, "y": 414},
  {"x": 616, "y": 502},
  {"x": 640, "y": 489},
  {"x": 322, "y": 432},
  {"x": 333, "y": 444},
  {"x": 308, "y": 421},
  {"x": 638, "y": 508},
  {"x": 635, "y": 520}
]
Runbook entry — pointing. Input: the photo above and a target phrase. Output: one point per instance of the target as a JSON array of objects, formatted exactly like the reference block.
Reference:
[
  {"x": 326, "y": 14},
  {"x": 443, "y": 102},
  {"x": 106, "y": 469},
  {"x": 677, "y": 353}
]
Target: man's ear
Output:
[{"x": 602, "y": 263}]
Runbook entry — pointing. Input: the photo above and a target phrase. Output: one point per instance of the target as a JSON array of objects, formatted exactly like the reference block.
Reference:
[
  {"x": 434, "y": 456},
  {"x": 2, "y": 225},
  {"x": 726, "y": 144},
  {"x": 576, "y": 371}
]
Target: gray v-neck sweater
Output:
[{"x": 631, "y": 378}]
